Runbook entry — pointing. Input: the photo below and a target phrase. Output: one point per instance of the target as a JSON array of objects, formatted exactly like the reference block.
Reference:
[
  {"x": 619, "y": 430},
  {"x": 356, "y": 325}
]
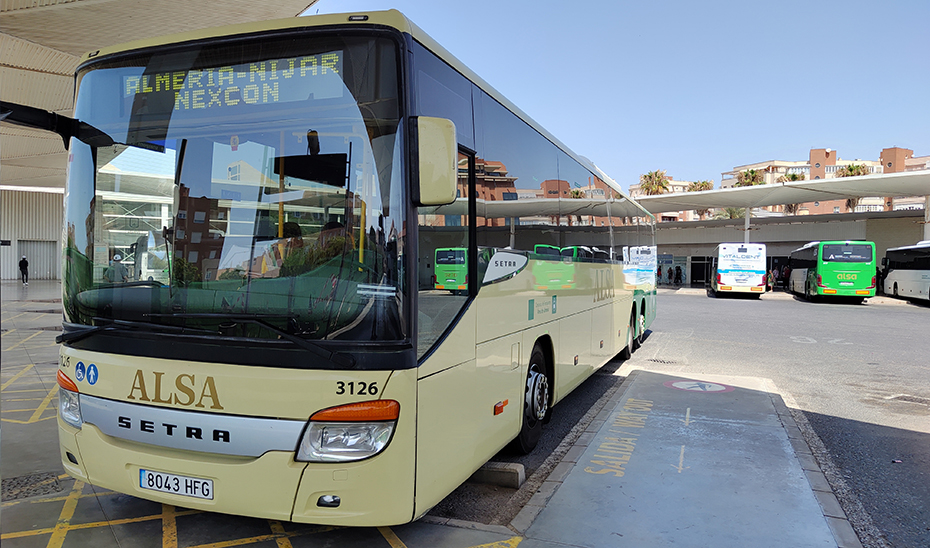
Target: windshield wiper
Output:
[
  {"x": 339, "y": 358},
  {"x": 127, "y": 325}
]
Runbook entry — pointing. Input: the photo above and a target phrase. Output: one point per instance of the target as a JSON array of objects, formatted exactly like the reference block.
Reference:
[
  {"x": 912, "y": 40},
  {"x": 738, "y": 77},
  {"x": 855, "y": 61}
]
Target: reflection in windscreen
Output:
[{"x": 266, "y": 188}]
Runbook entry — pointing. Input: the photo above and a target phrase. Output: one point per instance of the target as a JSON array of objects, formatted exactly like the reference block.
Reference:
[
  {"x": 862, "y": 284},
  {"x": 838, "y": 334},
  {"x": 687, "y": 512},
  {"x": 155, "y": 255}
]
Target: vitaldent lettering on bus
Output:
[{"x": 253, "y": 83}]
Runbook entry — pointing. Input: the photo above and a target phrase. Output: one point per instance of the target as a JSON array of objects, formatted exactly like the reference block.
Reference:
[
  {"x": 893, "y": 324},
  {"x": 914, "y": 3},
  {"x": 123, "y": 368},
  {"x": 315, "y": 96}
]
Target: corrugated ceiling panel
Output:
[
  {"x": 37, "y": 89},
  {"x": 29, "y": 146},
  {"x": 19, "y": 53},
  {"x": 91, "y": 24}
]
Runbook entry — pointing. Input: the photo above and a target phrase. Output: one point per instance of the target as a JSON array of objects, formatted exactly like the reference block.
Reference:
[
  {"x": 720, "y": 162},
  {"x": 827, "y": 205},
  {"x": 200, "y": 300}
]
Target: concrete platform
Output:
[{"x": 688, "y": 462}]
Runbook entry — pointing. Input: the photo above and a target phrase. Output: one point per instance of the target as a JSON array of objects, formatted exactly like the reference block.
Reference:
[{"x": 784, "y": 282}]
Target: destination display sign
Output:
[{"x": 265, "y": 82}]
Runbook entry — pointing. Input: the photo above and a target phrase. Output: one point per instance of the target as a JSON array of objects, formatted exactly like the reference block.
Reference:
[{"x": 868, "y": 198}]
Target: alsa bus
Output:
[
  {"x": 297, "y": 362},
  {"x": 906, "y": 271},
  {"x": 451, "y": 269},
  {"x": 833, "y": 269},
  {"x": 737, "y": 268}
]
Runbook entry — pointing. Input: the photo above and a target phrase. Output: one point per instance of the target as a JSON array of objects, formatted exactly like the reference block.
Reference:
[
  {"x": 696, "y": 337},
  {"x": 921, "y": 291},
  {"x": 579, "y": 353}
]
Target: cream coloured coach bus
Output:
[{"x": 298, "y": 362}]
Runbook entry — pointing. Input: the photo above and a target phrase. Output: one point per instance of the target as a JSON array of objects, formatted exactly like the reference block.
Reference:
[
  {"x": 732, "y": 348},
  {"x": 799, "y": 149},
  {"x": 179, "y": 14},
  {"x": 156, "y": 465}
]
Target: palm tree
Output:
[
  {"x": 731, "y": 213},
  {"x": 791, "y": 209},
  {"x": 699, "y": 186},
  {"x": 750, "y": 177},
  {"x": 653, "y": 183},
  {"x": 852, "y": 170}
]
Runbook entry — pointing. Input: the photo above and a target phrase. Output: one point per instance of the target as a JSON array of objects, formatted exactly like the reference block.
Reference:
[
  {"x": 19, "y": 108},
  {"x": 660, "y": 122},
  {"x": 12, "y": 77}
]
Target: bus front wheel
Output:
[{"x": 535, "y": 403}]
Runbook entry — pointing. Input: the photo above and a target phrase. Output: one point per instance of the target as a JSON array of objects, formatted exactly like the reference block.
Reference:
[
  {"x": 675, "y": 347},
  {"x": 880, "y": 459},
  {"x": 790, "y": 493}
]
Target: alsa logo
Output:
[{"x": 185, "y": 391}]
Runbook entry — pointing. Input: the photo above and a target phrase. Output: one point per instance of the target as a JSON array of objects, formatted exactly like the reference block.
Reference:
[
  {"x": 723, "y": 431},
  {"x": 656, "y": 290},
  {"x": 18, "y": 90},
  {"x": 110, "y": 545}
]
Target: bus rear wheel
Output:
[
  {"x": 640, "y": 331},
  {"x": 535, "y": 403},
  {"x": 627, "y": 351}
]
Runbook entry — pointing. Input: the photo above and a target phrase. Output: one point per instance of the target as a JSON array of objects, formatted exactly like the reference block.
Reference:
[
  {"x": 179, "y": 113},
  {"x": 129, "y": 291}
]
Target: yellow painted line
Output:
[
  {"x": 509, "y": 543},
  {"x": 20, "y": 343},
  {"x": 64, "y": 519},
  {"x": 44, "y": 405},
  {"x": 22, "y": 399},
  {"x": 681, "y": 461},
  {"x": 102, "y": 493},
  {"x": 278, "y": 529},
  {"x": 687, "y": 420},
  {"x": 263, "y": 538},
  {"x": 16, "y": 376},
  {"x": 7, "y": 332},
  {"x": 92, "y": 525},
  {"x": 14, "y": 421},
  {"x": 25, "y": 390},
  {"x": 392, "y": 539},
  {"x": 16, "y": 316},
  {"x": 169, "y": 527}
]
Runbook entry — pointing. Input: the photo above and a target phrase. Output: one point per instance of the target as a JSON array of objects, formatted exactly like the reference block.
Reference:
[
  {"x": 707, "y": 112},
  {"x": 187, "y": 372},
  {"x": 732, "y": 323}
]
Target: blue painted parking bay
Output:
[{"x": 673, "y": 461}]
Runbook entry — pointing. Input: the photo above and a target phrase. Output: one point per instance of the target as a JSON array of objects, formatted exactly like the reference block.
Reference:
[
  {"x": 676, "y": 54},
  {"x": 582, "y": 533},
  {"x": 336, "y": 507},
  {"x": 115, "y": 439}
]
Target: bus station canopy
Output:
[
  {"x": 42, "y": 42},
  {"x": 909, "y": 183}
]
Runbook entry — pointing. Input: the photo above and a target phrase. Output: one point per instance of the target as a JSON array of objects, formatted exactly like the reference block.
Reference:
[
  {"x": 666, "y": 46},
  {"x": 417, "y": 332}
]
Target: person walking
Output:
[
  {"x": 117, "y": 273},
  {"x": 24, "y": 270}
]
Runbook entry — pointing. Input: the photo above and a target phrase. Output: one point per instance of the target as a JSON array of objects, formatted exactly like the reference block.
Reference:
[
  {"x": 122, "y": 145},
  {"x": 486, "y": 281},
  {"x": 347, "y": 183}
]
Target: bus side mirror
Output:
[
  {"x": 438, "y": 152},
  {"x": 884, "y": 261}
]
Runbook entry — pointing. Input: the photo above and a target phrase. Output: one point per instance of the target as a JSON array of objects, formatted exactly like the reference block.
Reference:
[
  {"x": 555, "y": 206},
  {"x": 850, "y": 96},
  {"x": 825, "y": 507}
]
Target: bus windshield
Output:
[
  {"x": 847, "y": 253},
  {"x": 249, "y": 190}
]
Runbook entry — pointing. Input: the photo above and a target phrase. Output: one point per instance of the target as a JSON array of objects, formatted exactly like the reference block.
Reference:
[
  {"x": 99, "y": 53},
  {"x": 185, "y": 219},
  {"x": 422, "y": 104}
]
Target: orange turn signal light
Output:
[
  {"x": 65, "y": 382},
  {"x": 365, "y": 411}
]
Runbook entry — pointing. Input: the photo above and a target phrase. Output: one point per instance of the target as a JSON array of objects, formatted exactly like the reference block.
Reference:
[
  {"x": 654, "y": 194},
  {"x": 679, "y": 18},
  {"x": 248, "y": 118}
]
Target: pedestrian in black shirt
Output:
[{"x": 24, "y": 270}]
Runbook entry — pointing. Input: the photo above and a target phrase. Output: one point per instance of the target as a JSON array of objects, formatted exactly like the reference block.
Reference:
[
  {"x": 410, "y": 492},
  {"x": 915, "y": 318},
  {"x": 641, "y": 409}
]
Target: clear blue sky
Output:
[{"x": 696, "y": 88}]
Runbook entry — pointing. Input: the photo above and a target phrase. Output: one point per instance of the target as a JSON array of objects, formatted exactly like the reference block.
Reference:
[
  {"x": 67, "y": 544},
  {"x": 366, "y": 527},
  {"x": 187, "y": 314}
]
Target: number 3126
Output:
[{"x": 356, "y": 388}]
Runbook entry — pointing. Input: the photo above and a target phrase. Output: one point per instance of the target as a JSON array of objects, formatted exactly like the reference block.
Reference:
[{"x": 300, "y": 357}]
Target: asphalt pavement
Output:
[{"x": 669, "y": 460}]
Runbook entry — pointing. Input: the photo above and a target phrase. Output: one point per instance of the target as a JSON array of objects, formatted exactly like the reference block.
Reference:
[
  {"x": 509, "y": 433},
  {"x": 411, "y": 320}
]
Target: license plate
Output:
[{"x": 177, "y": 485}]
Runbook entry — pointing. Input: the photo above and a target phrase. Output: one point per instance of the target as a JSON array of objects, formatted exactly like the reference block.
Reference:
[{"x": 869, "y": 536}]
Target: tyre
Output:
[
  {"x": 536, "y": 400},
  {"x": 627, "y": 351},
  {"x": 640, "y": 331}
]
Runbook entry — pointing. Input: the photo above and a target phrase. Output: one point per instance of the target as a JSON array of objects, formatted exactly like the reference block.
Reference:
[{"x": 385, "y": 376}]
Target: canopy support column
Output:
[
  {"x": 927, "y": 218},
  {"x": 746, "y": 226}
]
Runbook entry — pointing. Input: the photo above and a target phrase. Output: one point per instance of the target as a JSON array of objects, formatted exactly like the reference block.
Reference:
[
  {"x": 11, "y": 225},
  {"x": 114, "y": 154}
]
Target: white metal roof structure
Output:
[
  {"x": 909, "y": 183},
  {"x": 42, "y": 41}
]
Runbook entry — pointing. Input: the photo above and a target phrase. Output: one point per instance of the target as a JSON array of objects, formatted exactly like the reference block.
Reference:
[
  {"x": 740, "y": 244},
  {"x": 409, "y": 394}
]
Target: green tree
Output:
[
  {"x": 700, "y": 186},
  {"x": 750, "y": 177},
  {"x": 852, "y": 170},
  {"x": 731, "y": 213},
  {"x": 791, "y": 209},
  {"x": 653, "y": 183}
]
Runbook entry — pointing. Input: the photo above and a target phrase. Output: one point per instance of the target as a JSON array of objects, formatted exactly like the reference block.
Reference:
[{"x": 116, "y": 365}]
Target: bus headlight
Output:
[
  {"x": 69, "y": 401},
  {"x": 349, "y": 432}
]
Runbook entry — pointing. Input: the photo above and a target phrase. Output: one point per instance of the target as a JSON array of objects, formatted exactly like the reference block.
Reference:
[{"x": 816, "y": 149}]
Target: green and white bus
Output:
[
  {"x": 906, "y": 271},
  {"x": 298, "y": 363},
  {"x": 451, "y": 269},
  {"x": 833, "y": 269},
  {"x": 737, "y": 268}
]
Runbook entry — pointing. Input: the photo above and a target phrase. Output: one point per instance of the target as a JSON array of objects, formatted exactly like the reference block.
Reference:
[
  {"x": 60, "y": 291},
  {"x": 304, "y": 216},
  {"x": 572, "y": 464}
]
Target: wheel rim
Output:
[
  {"x": 642, "y": 326},
  {"x": 537, "y": 394}
]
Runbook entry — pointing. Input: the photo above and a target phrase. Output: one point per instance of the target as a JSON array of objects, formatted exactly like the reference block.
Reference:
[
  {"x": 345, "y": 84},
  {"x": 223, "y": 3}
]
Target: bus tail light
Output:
[
  {"x": 349, "y": 432},
  {"x": 820, "y": 281},
  {"x": 69, "y": 401},
  {"x": 872, "y": 285},
  {"x": 718, "y": 279}
]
